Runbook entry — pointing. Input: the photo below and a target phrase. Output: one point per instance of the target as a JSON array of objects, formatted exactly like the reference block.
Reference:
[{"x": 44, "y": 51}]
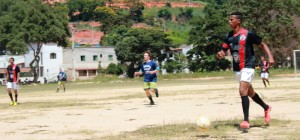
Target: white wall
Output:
[
  {"x": 51, "y": 66},
  {"x": 186, "y": 49},
  {"x": 89, "y": 63}
]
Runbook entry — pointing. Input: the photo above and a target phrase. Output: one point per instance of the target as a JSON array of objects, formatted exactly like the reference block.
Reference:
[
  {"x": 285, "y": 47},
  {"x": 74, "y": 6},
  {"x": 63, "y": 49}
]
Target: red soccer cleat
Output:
[
  {"x": 267, "y": 115},
  {"x": 245, "y": 125}
]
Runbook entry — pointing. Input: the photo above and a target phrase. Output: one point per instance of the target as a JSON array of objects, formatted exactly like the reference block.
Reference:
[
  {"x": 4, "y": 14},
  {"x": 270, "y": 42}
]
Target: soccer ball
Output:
[{"x": 203, "y": 123}]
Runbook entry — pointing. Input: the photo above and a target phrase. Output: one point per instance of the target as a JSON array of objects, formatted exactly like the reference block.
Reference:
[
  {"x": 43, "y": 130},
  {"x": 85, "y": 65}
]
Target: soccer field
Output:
[{"x": 120, "y": 110}]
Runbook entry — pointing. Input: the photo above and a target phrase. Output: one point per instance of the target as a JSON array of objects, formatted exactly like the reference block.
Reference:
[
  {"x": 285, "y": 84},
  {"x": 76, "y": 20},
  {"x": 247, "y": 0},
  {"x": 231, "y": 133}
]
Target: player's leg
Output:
[
  {"x": 58, "y": 85},
  {"x": 246, "y": 78},
  {"x": 15, "y": 87},
  {"x": 64, "y": 85},
  {"x": 148, "y": 94},
  {"x": 268, "y": 81},
  {"x": 8, "y": 88},
  {"x": 264, "y": 82},
  {"x": 256, "y": 98},
  {"x": 267, "y": 78},
  {"x": 244, "y": 87},
  {"x": 153, "y": 88},
  {"x": 259, "y": 101},
  {"x": 262, "y": 75}
]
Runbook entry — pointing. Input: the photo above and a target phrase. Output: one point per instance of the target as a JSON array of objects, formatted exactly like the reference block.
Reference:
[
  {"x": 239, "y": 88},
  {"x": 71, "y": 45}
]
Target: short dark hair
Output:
[
  {"x": 148, "y": 52},
  {"x": 238, "y": 15},
  {"x": 12, "y": 59}
]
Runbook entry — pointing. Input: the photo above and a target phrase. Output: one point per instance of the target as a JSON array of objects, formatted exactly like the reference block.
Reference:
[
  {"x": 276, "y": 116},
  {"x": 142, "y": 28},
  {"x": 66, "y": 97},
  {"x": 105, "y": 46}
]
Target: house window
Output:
[
  {"x": 82, "y": 72},
  {"x": 52, "y": 55},
  {"x": 110, "y": 58},
  {"x": 95, "y": 57},
  {"x": 82, "y": 57},
  {"x": 100, "y": 55}
]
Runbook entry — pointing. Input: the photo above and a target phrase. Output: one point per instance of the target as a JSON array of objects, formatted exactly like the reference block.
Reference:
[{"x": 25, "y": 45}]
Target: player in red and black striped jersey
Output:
[
  {"x": 12, "y": 80},
  {"x": 240, "y": 42},
  {"x": 264, "y": 67}
]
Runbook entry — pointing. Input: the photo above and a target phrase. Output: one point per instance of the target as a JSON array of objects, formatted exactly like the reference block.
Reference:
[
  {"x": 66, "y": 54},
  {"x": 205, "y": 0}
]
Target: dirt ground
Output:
[{"x": 91, "y": 111}]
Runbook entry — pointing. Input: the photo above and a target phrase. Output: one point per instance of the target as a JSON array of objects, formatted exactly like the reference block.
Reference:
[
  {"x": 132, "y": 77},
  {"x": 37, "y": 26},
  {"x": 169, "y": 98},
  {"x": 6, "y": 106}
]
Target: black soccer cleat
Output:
[
  {"x": 156, "y": 93},
  {"x": 151, "y": 103}
]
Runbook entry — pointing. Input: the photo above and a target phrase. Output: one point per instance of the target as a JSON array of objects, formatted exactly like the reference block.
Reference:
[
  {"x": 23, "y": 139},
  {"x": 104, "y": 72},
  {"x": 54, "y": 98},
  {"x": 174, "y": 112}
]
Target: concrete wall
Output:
[{"x": 102, "y": 55}]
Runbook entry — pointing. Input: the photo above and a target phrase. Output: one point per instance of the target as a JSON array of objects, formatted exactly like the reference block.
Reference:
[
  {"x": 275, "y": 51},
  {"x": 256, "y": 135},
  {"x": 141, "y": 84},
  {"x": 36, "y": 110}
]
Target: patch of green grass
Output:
[
  {"x": 218, "y": 130},
  {"x": 280, "y": 71}
]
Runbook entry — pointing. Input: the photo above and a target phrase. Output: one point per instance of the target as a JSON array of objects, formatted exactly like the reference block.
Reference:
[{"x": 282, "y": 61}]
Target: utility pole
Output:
[{"x": 73, "y": 57}]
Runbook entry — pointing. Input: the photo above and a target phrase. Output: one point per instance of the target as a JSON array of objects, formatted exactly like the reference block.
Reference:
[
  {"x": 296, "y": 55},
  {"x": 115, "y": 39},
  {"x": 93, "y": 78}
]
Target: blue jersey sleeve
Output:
[{"x": 155, "y": 66}]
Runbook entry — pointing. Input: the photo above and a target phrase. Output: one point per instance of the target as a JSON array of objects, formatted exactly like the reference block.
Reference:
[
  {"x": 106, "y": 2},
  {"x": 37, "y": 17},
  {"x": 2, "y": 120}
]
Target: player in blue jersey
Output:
[{"x": 149, "y": 69}]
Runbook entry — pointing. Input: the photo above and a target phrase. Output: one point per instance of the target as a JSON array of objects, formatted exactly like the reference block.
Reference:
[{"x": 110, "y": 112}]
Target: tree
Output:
[
  {"x": 177, "y": 65},
  {"x": 207, "y": 35},
  {"x": 136, "y": 11},
  {"x": 104, "y": 13},
  {"x": 185, "y": 14},
  {"x": 29, "y": 21},
  {"x": 83, "y": 9},
  {"x": 131, "y": 44},
  {"x": 115, "y": 35},
  {"x": 168, "y": 4},
  {"x": 273, "y": 20},
  {"x": 112, "y": 22},
  {"x": 165, "y": 14},
  {"x": 115, "y": 69}
]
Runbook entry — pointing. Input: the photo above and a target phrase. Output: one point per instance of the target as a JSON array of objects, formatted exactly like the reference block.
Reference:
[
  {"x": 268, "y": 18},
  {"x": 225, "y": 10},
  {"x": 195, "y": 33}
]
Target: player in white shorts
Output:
[
  {"x": 240, "y": 43},
  {"x": 12, "y": 80},
  {"x": 264, "y": 67}
]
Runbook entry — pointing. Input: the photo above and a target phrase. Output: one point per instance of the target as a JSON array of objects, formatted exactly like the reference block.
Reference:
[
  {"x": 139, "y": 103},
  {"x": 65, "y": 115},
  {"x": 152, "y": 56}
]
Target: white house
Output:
[
  {"x": 51, "y": 59},
  {"x": 182, "y": 49},
  {"x": 86, "y": 61}
]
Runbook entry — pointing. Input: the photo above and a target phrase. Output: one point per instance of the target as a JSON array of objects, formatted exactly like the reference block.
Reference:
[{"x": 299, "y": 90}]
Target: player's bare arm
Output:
[
  {"x": 138, "y": 73},
  {"x": 266, "y": 49},
  {"x": 18, "y": 77}
]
